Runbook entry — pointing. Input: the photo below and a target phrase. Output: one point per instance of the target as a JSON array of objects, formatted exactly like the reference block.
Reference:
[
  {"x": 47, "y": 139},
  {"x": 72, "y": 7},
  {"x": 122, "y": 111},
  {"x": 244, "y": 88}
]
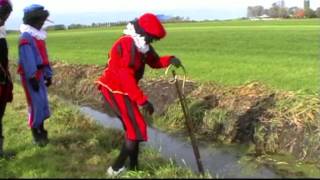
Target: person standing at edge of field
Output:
[
  {"x": 6, "y": 85},
  {"x": 35, "y": 70},
  {"x": 119, "y": 83}
]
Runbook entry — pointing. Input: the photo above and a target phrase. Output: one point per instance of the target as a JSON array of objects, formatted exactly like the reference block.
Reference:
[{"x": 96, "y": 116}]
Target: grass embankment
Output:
[
  {"x": 282, "y": 54},
  {"x": 281, "y": 129},
  {"x": 78, "y": 147}
]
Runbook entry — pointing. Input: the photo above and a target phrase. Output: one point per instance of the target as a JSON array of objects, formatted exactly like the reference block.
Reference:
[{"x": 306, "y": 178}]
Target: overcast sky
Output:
[{"x": 77, "y": 11}]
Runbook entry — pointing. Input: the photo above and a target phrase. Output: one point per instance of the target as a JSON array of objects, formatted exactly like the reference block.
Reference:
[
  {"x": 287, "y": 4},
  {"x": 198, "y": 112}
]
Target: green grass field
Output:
[{"x": 282, "y": 54}]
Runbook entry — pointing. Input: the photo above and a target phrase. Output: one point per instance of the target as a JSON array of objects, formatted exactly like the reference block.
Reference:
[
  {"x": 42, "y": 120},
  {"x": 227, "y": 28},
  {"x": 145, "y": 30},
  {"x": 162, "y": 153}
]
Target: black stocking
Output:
[
  {"x": 131, "y": 149},
  {"x": 2, "y": 109}
]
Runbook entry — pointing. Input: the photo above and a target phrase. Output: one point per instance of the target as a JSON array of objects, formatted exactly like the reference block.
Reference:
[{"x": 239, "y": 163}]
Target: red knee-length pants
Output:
[{"x": 128, "y": 112}]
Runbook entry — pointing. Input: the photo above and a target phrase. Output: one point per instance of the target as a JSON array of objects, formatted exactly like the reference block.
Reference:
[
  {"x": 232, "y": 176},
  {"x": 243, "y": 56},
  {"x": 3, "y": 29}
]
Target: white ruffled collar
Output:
[
  {"x": 3, "y": 33},
  {"x": 38, "y": 34},
  {"x": 139, "y": 40}
]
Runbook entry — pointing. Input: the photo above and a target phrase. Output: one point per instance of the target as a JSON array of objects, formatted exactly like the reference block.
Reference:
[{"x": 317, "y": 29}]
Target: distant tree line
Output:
[
  {"x": 177, "y": 19},
  {"x": 56, "y": 27},
  {"x": 278, "y": 11},
  {"x": 172, "y": 19},
  {"x": 109, "y": 24}
]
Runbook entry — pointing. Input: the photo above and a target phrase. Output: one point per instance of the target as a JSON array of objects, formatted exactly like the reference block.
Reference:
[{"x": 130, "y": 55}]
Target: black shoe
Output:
[
  {"x": 44, "y": 136},
  {"x": 37, "y": 137},
  {"x": 1, "y": 148},
  {"x": 5, "y": 155}
]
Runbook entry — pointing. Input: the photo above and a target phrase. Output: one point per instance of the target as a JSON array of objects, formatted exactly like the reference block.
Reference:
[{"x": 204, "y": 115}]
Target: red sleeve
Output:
[
  {"x": 154, "y": 61},
  {"x": 126, "y": 71},
  {"x": 23, "y": 42}
]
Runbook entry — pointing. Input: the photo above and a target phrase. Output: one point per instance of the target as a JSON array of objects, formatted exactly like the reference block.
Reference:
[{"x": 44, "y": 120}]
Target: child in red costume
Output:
[{"x": 119, "y": 82}]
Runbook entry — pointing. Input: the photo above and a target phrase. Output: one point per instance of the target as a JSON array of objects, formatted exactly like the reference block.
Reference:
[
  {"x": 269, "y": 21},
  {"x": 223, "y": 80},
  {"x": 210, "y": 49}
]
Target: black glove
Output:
[
  {"x": 148, "y": 107},
  {"x": 48, "y": 81},
  {"x": 176, "y": 62},
  {"x": 35, "y": 84}
]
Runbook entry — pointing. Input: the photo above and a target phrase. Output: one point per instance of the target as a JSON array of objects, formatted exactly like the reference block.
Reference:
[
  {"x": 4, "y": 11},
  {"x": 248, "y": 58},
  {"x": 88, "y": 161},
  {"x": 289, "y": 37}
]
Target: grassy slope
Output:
[
  {"x": 282, "y": 54},
  {"x": 285, "y": 138},
  {"x": 78, "y": 147}
]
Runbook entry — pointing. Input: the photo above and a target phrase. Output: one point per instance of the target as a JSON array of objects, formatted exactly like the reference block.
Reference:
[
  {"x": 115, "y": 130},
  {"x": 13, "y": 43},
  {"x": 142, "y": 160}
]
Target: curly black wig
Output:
[{"x": 35, "y": 16}]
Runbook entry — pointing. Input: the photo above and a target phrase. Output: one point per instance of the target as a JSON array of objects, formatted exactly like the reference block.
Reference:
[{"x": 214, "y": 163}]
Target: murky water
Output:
[{"x": 218, "y": 162}]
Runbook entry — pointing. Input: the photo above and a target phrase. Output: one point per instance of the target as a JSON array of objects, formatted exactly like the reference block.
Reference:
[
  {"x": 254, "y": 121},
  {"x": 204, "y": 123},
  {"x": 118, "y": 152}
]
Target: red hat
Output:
[{"x": 151, "y": 25}]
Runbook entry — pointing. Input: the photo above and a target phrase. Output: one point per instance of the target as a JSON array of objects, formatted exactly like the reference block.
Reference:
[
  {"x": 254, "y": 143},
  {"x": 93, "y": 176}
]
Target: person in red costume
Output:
[{"x": 119, "y": 82}]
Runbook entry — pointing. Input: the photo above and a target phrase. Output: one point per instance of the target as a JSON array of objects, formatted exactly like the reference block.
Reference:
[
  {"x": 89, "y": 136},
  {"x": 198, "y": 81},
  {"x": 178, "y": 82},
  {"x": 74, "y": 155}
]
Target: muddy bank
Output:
[
  {"x": 273, "y": 121},
  {"x": 77, "y": 83}
]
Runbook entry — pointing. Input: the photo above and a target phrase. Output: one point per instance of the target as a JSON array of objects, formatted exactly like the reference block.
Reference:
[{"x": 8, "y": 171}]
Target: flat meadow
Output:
[{"x": 283, "y": 54}]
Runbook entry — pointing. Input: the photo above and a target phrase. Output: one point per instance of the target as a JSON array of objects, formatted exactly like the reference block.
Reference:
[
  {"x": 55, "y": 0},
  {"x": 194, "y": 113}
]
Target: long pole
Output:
[{"x": 189, "y": 126}]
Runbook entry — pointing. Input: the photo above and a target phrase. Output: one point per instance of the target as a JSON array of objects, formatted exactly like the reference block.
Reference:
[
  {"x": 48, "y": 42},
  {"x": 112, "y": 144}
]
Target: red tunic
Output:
[
  {"x": 126, "y": 67},
  {"x": 119, "y": 84}
]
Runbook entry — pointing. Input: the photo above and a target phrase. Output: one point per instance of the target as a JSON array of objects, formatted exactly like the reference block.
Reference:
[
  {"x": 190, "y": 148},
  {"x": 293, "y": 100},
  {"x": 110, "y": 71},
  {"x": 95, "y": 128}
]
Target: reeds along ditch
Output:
[{"x": 274, "y": 121}]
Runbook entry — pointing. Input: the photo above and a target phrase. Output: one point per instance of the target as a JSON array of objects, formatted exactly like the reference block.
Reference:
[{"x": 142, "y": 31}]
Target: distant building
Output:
[
  {"x": 263, "y": 17},
  {"x": 282, "y": 4},
  {"x": 163, "y": 17},
  {"x": 299, "y": 13},
  {"x": 306, "y": 4}
]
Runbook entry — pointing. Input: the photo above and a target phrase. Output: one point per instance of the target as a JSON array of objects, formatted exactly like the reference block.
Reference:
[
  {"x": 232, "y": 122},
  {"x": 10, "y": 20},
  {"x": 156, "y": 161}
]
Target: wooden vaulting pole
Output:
[{"x": 189, "y": 125}]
